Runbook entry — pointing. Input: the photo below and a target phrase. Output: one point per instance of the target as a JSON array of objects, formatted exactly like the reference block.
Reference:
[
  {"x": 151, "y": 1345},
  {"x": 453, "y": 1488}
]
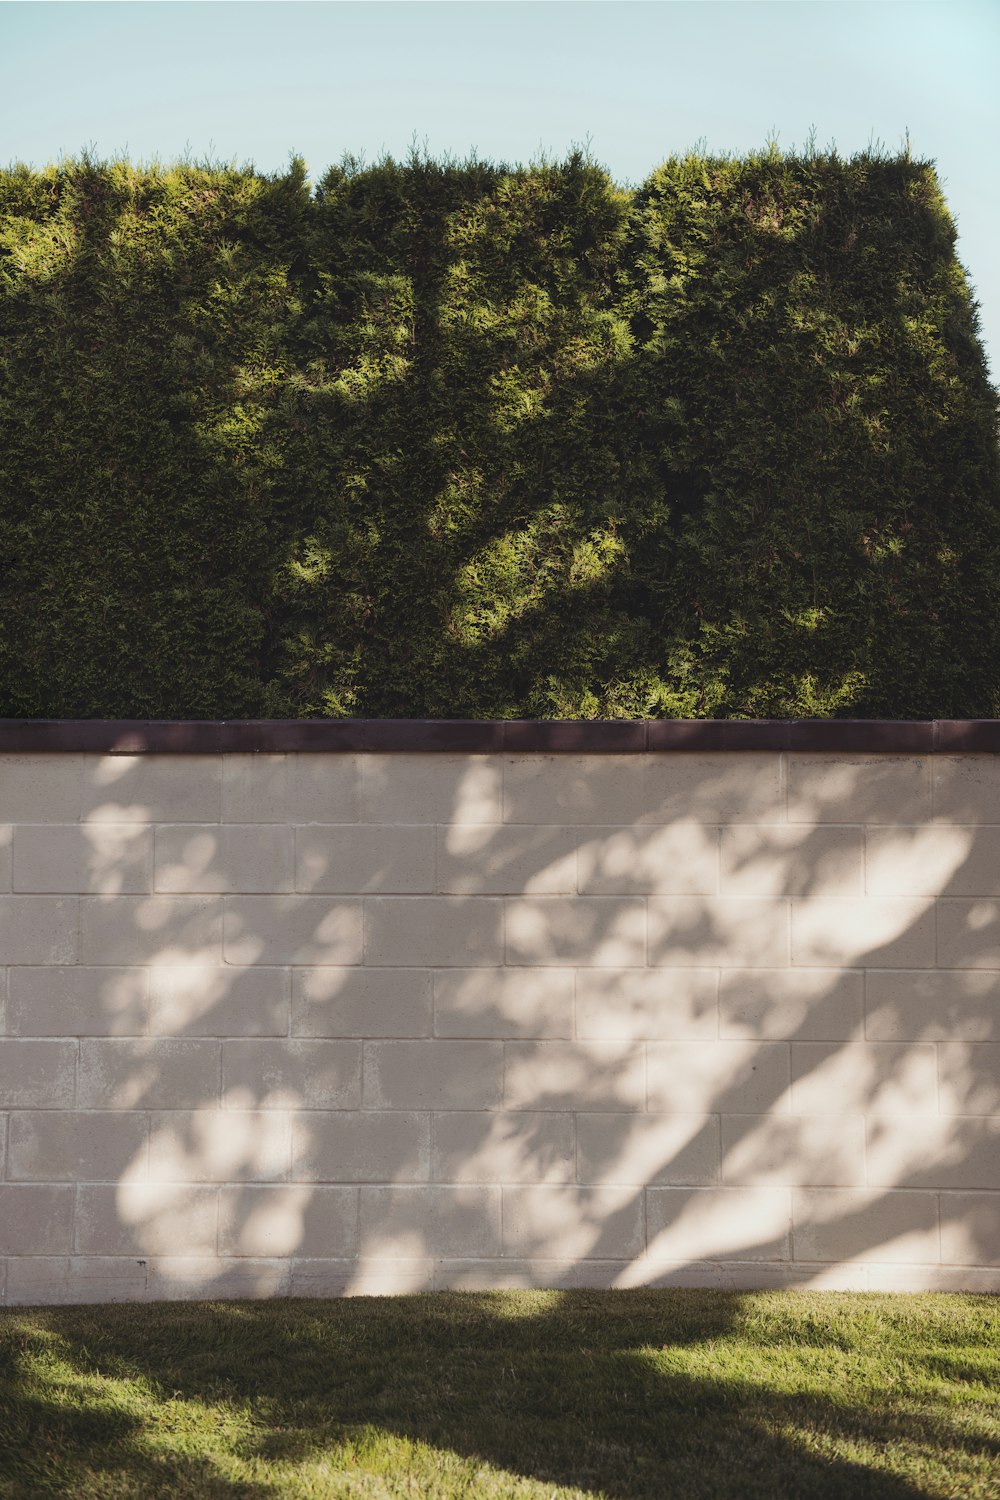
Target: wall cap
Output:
[{"x": 485, "y": 736}]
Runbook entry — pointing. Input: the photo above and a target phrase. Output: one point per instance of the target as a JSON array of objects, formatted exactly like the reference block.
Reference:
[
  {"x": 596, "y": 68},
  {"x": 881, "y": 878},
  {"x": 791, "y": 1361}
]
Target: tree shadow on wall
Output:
[
  {"x": 230, "y": 1043},
  {"x": 191, "y": 1115}
]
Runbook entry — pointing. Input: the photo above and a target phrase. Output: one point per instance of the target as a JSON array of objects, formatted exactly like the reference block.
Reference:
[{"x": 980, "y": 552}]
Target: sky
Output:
[{"x": 637, "y": 80}]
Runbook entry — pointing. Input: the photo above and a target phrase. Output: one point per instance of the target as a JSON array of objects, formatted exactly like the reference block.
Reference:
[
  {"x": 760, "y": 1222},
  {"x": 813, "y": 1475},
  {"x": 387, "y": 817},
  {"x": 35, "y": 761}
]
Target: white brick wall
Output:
[{"x": 314, "y": 1024}]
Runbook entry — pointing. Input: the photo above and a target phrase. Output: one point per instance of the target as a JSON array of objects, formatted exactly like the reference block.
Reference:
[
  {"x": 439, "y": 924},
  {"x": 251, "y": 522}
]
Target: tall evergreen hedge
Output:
[{"x": 465, "y": 441}]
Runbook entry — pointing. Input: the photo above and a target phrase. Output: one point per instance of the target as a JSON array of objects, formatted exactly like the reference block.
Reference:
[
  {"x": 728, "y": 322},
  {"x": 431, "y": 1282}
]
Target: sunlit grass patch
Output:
[{"x": 525, "y": 1395}]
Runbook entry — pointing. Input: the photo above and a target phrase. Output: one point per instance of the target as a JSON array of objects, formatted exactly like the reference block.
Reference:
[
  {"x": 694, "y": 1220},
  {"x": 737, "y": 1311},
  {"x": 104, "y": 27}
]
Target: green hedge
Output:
[{"x": 466, "y": 441}]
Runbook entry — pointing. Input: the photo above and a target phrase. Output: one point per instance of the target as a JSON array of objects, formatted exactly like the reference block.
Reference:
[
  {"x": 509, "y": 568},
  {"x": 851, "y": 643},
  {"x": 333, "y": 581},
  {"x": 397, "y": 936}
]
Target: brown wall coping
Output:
[{"x": 590, "y": 736}]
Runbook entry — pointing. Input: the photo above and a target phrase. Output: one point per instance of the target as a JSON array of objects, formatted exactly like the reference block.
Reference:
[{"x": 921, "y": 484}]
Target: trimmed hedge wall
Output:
[{"x": 443, "y": 440}]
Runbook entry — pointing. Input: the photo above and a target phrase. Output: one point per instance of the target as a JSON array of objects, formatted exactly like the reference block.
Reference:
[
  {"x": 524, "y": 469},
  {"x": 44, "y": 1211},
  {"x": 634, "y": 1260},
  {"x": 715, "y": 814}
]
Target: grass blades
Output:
[{"x": 528, "y": 1395}]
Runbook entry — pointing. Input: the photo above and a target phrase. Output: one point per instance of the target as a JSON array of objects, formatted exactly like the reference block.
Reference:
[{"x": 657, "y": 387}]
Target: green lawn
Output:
[{"x": 534, "y": 1395}]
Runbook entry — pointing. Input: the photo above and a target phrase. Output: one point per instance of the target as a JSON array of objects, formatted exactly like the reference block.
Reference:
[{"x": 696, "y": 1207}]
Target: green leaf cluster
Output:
[{"x": 442, "y": 439}]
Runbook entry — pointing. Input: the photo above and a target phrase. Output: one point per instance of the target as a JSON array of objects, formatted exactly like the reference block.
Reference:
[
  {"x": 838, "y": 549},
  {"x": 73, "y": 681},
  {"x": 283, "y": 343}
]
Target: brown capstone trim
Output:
[
  {"x": 956, "y": 736},
  {"x": 716, "y": 734},
  {"x": 482, "y": 736}
]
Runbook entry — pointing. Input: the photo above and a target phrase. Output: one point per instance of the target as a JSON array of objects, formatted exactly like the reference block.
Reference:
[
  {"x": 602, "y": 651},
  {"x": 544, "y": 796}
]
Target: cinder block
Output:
[
  {"x": 361, "y": 1146},
  {"x": 217, "y": 859},
  {"x": 320, "y": 1277},
  {"x": 489, "y": 1275},
  {"x": 391, "y": 1277},
  {"x": 538, "y": 1274},
  {"x": 218, "y": 1000},
  {"x": 323, "y": 788},
  {"x": 213, "y": 1145},
  {"x": 291, "y": 1074},
  {"x": 673, "y": 858},
  {"x": 929, "y": 859},
  {"x": 38, "y": 929},
  {"x": 969, "y": 1078},
  {"x": 37, "y": 1280},
  {"x": 401, "y": 788},
  {"x": 743, "y": 1276},
  {"x": 149, "y": 929},
  {"x": 647, "y": 1004},
  {"x": 143, "y": 1218},
  {"x": 589, "y": 1223},
  {"x": 364, "y": 857},
  {"x": 36, "y": 1218},
  {"x": 939, "y": 1151},
  {"x": 151, "y": 789},
  {"x": 863, "y": 1078},
  {"x": 966, "y": 789},
  {"x": 292, "y": 930},
  {"x": 107, "y": 859},
  {"x": 361, "y": 1002},
  {"x": 807, "y": 1004},
  {"x": 6, "y": 850},
  {"x": 297, "y": 1219},
  {"x": 718, "y": 1224},
  {"x": 933, "y": 1279},
  {"x": 589, "y": 931},
  {"x": 471, "y": 1146},
  {"x": 76, "y": 1146},
  {"x": 640, "y": 1149},
  {"x": 740, "y": 1077},
  {"x": 970, "y": 1229},
  {"x": 503, "y": 1002},
  {"x": 692, "y": 932},
  {"x": 636, "y": 1273},
  {"x": 300, "y": 788},
  {"x": 57, "y": 1280},
  {"x": 76, "y": 1001},
  {"x": 968, "y": 934},
  {"x": 934, "y": 1005},
  {"x": 157, "y": 1073},
  {"x": 40, "y": 788},
  {"x": 255, "y": 789},
  {"x": 858, "y": 789},
  {"x": 573, "y": 789},
  {"x": 37, "y": 1074},
  {"x": 433, "y": 1075},
  {"x": 794, "y": 1150},
  {"x": 791, "y": 860},
  {"x": 403, "y": 1222},
  {"x": 845, "y": 1224},
  {"x": 433, "y": 931},
  {"x": 214, "y": 1278},
  {"x": 574, "y": 1076},
  {"x": 107, "y": 1278},
  {"x": 866, "y": 931},
  {"x": 493, "y": 859},
  {"x": 714, "y": 788}
]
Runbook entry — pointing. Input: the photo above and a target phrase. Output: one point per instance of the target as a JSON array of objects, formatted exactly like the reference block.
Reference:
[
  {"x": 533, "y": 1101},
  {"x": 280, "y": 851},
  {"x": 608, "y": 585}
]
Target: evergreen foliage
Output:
[{"x": 458, "y": 440}]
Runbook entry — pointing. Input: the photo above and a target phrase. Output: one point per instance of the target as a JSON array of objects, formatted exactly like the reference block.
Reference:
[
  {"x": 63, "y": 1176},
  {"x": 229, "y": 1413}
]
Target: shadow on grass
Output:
[
  {"x": 629, "y": 1396},
  {"x": 51, "y": 1448}
]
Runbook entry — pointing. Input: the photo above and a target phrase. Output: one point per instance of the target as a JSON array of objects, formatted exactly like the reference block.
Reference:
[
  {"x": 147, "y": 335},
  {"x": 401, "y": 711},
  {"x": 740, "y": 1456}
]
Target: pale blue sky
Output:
[{"x": 261, "y": 81}]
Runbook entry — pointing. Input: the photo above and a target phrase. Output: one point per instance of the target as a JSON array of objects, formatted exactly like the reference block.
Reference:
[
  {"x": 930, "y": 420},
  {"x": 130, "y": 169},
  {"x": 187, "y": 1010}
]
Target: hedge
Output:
[{"x": 460, "y": 440}]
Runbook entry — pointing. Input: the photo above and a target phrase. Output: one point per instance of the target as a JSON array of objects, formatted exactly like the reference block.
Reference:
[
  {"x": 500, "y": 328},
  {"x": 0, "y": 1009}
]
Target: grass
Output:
[{"x": 526, "y": 1395}]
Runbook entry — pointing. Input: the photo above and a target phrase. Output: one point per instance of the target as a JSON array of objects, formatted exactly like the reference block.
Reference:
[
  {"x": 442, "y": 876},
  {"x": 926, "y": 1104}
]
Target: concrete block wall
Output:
[{"x": 322, "y": 1023}]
